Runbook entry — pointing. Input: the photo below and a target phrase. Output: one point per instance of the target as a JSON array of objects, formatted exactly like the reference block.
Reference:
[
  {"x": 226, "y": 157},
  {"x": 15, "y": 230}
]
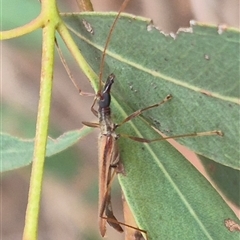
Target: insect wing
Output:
[{"x": 108, "y": 156}]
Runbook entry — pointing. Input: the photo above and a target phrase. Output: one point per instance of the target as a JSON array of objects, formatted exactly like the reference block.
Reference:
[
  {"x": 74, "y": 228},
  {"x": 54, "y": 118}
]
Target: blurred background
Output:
[{"x": 70, "y": 190}]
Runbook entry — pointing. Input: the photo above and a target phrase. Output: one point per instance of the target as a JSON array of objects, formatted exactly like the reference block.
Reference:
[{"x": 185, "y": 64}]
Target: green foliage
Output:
[
  {"x": 18, "y": 152},
  {"x": 200, "y": 69}
]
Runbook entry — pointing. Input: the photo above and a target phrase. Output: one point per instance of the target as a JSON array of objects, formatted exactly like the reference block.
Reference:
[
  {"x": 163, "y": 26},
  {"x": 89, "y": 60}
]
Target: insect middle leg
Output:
[{"x": 140, "y": 111}]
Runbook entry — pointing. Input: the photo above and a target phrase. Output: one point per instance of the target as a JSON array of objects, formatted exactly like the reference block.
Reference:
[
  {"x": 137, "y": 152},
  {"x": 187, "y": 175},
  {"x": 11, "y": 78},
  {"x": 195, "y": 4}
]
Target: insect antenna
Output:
[{"x": 123, "y": 6}]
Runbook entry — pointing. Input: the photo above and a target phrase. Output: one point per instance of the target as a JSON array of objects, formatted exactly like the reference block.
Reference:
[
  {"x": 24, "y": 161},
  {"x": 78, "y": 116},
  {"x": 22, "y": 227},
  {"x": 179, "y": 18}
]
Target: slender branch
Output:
[
  {"x": 85, "y": 5},
  {"x": 49, "y": 11},
  {"x": 20, "y": 31}
]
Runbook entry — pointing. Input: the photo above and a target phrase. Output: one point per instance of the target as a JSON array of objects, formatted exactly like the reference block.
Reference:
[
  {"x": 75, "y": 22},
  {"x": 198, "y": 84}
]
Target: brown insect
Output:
[{"x": 109, "y": 158}]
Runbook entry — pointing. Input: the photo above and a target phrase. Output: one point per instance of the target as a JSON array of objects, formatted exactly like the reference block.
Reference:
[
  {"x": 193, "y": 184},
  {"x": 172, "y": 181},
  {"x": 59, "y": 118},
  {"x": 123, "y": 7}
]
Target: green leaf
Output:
[
  {"x": 200, "y": 69},
  {"x": 17, "y": 152}
]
